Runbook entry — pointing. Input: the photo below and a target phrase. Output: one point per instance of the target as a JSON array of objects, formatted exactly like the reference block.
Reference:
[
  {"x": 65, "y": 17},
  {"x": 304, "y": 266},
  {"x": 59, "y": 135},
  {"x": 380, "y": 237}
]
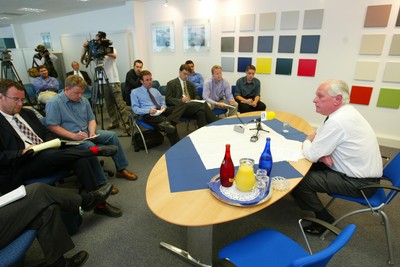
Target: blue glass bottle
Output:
[{"x": 266, "y": 158}]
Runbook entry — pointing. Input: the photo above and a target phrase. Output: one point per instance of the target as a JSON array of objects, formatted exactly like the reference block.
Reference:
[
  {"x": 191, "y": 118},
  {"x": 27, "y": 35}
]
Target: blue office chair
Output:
[
  {"x": 14, "y": 253},
  {"x": 155, "y": 84},
  {"x": 137, "y": 125},
  {"x": 272, "y": 248},
  {"x": 376, "y": 203},
  {"x": 51, "y": 179},
  {"x": 162, "y": 89}
]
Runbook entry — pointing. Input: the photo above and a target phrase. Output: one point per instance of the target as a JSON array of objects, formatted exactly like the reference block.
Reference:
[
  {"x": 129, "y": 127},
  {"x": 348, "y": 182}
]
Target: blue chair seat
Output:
[
  {"x": 219, "y": 111},
  {"x": 14, "y": 253},
  {"x": 274, "y": 249},
  {"x": 51, "y": 179}
]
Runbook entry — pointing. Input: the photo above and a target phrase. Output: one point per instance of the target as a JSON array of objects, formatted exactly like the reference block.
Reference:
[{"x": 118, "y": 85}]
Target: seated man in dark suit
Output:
[
  {"x": 41, "y": 209},
  {"x": 77, "y": 71},
  {"x": 21, "y": 130},
  {"x": 150, "y": 105},
  {"x": 180, "y": 91}
]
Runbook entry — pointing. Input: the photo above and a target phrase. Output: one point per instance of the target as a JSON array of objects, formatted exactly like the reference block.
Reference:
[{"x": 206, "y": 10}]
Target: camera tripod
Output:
[
  {"x": 7, "y": 67},
  {"x": 98, "y": 94}
]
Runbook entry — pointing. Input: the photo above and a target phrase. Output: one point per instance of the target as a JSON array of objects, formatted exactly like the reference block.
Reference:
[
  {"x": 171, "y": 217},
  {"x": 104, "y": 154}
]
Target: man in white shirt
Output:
[{"x": 344, "y": 150}]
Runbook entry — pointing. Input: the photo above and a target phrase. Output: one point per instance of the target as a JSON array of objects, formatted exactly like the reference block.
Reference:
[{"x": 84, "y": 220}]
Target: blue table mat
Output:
[{"x": 187, "y": 172}]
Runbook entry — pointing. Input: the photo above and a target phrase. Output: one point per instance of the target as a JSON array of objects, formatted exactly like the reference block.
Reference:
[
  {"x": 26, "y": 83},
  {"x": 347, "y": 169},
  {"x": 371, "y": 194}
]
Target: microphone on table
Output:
[{"x": 264, "y": 116}]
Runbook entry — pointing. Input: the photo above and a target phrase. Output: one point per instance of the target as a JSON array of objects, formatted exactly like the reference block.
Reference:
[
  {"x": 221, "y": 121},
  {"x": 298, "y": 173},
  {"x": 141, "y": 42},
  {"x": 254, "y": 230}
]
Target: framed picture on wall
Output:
[
  {"x": 163, "y": 37},
  {"x": 196, "y": 36}
]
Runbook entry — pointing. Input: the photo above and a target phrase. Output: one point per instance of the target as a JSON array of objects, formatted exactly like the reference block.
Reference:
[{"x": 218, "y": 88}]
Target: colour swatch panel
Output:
[
  {"x": 309, "y": 44},
  {"x": 313, "y": 19},
  {"x": 246, "y": 43},
  {"x": 227, "y": 44},
  {"x": 267, "y": 21},
  {"x": 389, "y": 98},
  {"x": 392, "y": 72},
  {"x": 395, "y": 46},
  {"x": 243, "y": 62},
  {"x": 265, "y": 44},
  {"x": 228, "y": 24},
  {"x": 290, "y": 20},
  {"x": 366, "y": 70},
  {"x": 284, "y": 66},
  {"x": 377, "y": 16},
  {"x": 360, "y": 94},
  {"x": 247, "y": 22},
  {"x": 372, "y": 44},
  {"x": 307, "y": 67},
  {"x": 264, "y": 65},
  {"x": 287, "y": 44},
  {"x": 228, "y": 64}
]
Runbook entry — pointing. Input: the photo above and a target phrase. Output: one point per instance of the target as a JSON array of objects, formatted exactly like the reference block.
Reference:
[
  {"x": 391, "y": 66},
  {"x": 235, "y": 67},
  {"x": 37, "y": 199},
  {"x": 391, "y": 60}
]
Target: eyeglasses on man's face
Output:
[{"x": 16, "y": 99}]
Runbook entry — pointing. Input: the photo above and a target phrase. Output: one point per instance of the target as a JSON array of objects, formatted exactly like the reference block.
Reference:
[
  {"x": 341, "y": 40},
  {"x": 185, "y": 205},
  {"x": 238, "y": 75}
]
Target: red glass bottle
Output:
[{"x": 227, "y": 170}]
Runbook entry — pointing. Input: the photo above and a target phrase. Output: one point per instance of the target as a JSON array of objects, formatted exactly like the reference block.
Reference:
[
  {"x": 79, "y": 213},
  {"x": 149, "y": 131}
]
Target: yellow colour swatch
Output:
[{"x": 264, "y": 65}]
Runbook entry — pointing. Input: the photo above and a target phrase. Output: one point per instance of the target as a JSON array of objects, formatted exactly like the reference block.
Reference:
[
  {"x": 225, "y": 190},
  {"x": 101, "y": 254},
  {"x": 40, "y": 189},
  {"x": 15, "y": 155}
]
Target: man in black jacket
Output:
[{"x": 180, "y": 91}]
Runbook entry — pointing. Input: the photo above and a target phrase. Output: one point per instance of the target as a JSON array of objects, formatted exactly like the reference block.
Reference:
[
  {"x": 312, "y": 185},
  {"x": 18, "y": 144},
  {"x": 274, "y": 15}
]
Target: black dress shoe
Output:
[
  {"x": 314, "y": 229},
  {"x": 99, "y": 196},
  {"x": 107, "y": 151},
  {"x": 77, "y": 260},
  {"x": 108, "y": 210},
  {"x": 167, "y": 127}
]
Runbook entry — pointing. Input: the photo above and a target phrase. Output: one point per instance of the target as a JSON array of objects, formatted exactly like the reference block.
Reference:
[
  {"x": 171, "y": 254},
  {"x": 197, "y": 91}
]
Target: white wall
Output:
[{"x": 337, "y": 57}]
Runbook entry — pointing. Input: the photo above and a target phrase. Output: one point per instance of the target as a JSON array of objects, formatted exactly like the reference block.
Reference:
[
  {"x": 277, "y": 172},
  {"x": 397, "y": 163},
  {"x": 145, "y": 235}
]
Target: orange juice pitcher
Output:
[{"x": 245, "y": 178}]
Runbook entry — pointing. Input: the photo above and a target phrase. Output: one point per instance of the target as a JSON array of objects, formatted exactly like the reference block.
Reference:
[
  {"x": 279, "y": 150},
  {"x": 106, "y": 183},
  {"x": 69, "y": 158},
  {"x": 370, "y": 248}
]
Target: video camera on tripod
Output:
[
  {"x": 96, "y": 49},
  {"x": 5, "y": 55}
]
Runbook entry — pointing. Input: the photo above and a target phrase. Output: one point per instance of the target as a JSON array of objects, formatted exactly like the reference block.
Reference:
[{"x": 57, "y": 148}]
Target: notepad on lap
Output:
[{"x": 12, "y": 196}]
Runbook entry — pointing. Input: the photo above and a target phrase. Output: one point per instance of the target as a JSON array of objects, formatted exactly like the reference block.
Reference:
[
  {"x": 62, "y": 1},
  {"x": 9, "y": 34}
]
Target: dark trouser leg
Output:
[
  {"x": 49, "y": 161},
  {"x": 52, "y": 235},
  {"x": 325, "y": 181},
  {"x": 17, "y": 216}
]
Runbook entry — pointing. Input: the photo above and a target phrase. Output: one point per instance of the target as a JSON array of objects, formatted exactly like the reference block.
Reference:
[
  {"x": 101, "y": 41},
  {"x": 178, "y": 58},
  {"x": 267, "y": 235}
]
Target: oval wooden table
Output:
[{"x": 199, "y": 210}]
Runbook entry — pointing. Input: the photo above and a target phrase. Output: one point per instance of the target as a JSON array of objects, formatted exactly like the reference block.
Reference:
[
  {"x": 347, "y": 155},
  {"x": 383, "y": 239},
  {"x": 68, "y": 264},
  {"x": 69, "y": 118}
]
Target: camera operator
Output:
[
  {"x": 45, "y": 58},
  {"x": 110, "y": 68}
]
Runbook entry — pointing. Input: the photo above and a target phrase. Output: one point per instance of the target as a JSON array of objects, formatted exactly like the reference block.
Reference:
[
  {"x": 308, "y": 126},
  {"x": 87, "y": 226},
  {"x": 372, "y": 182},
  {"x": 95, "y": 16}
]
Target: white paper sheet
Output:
[{"x": 210, "y": 144}]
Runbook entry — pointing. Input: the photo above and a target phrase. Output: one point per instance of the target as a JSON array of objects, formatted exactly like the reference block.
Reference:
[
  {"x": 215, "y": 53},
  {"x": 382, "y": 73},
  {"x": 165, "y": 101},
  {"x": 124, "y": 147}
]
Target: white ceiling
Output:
[{"x": 54, "y": 8}]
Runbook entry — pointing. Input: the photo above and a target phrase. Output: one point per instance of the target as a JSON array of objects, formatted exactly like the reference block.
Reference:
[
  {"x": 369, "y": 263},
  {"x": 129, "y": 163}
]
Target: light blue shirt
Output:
[
  {"x": 214, "y": 92},
  {"x": 41, "y": 84},
  {"x": 141, "y": 101},
  {"x": 72, "y": 116},
  {"x": 197, "y": 79}
]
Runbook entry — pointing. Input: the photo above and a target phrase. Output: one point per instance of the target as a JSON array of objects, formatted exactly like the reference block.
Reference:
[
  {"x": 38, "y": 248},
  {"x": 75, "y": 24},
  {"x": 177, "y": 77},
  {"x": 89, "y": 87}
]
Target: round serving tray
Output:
[{"x": 216, "y": 192}]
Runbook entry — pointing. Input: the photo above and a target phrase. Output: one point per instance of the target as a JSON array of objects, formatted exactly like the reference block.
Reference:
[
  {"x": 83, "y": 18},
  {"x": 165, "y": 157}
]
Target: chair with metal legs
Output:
[
  {"x": 377, "y": 203},
  {"x": 272, "y": 248}
]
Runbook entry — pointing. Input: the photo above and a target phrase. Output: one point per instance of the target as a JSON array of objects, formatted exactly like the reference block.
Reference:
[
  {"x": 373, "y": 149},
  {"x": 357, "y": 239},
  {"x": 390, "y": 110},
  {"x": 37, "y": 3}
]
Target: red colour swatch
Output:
[
  {"x": 307, "y": 67},
  {"x": 360, "y": 94}
]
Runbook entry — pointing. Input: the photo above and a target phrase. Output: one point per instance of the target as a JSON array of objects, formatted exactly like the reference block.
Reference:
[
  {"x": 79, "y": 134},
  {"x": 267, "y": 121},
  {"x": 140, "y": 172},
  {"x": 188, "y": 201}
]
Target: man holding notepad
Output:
[
  {"x": 180, "y": 91},
  {"x": 218, "y": 93}
]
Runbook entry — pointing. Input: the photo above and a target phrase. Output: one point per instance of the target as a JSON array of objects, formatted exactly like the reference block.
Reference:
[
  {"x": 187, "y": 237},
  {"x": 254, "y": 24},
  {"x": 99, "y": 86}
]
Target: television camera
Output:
[
  {"x": 5, "y": 55},
  {"x": 96, "y": 49}
]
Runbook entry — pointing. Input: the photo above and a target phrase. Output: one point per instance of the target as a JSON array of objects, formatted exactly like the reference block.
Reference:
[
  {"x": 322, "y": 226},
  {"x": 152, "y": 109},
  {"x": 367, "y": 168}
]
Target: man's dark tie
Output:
[
  {"x": 327, "y": 117},
  {"x": 185, "y": 90},
  {"x": 28, "y": 132},
  {"x": 153, "y": 99}
]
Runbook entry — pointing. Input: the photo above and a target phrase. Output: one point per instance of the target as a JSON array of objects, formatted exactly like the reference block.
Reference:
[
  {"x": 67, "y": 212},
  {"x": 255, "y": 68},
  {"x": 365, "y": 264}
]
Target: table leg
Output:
[{"x": 199, "y": 243}]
